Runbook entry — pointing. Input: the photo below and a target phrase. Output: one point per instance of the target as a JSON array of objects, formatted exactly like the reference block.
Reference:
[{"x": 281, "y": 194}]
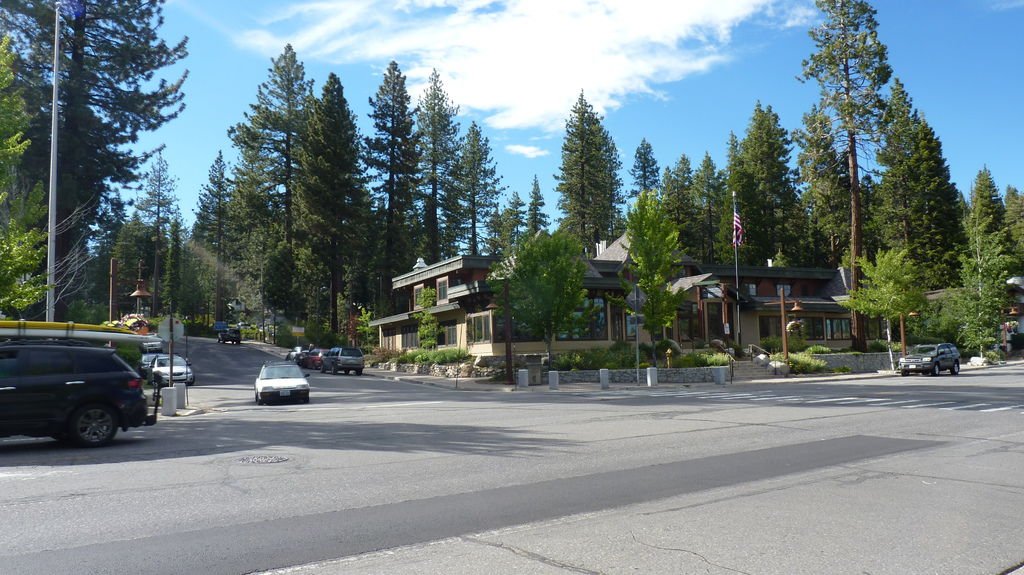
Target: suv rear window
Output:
[
  {"x": 8, "y": 363},
  {"x": 96, "y": 363},
  {"x": 48, "y": 362},
  {"x": 351, "y": 352}
]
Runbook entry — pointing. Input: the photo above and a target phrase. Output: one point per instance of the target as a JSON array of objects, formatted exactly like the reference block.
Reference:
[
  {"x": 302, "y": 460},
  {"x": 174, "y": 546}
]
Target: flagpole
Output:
[
  {"x": 736, "y": 270},
  {"x": 51, "y": 241}
]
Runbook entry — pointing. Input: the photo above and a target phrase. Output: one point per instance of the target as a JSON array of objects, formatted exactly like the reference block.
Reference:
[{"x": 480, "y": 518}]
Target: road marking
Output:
[
  {"x": 926, "y": 405},
  {"x": 965, "y": 406},
  {"x": 1001, "y": 408},
  {"x": 904, "y": 401},
  {"x": 868, "y": 400},
  {"x": 832, "y": 399}
]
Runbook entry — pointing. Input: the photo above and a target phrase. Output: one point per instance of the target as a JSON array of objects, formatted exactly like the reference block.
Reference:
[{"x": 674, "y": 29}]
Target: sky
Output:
[{"x": 683, "y": 74}]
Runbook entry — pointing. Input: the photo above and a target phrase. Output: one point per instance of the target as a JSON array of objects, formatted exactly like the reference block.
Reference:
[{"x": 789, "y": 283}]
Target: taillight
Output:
[{"x": 134, "y": 383}]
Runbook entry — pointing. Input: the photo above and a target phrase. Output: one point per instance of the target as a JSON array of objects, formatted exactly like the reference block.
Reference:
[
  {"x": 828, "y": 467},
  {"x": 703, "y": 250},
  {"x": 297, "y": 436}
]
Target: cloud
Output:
[
  {"x": 1007, "y": 4},
  {"x": 527, "y": 151},
  {"x": 522, "y": 63}
]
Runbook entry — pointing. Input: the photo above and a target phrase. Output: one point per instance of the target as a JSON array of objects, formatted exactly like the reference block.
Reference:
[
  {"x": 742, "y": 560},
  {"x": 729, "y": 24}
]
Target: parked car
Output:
[
  {"x": 153, "y": 345},
  {"x": 69, "y": 391},
  {"x": 230, "y": 335},
  {"x": 312, "y": 359},
  {"x": 293, "y": 354},
  {"x": 343, "y": 359},
  {"x": 144, "y": 363},
  {"x": 931, "y": 358},
  {"x": 281, "y": 380},
  {"x": 160, "y": 367}
]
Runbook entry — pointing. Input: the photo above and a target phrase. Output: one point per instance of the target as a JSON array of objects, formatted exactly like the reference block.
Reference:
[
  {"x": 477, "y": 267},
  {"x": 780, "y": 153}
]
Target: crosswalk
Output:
[{"x": 767, "y": 398}]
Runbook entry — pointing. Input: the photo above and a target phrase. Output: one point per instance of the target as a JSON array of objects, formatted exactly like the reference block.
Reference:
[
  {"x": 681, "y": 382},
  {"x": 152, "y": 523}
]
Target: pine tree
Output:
[
  {"x": 708, "y": 195},
  {"x": 588, "y": 183},
  {"x": 392, "y": 157},
  {"x": 677, "y": 198},
  {"x": 438, "y": 137},
  {"x": 1015, "y": 225},
  {"x": 173, "y": 288},
  {"x": 764, "y": 185},
  {"x": 536, "y": 219},
  {"x": 645, "y": 170},
  {"x": 826, "y": 195},
  {"x": 334, "y": 202},
  {"x": 479, "y": 185},
  {"x": 158, "y": 207},
  {"x": 111, "y": 91},
  {"x": 986, "y": 205},
  {"x": 211, "y": 225},
  {"x": 506, "y": 227},
  {"x": 850, "y": 67},
  {"x": 273, "y": 129}
]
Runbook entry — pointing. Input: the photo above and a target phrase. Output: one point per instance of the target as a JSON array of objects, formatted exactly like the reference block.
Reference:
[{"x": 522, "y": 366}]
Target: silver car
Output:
[
  {"x": 344, "y": 359},
  {"x": 931, "y": 359}
]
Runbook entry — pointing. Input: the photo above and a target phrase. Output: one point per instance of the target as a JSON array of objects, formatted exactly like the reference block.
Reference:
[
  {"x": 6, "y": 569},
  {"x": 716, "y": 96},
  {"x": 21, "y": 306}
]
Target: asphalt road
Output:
[{"x": 896, "y": 475}]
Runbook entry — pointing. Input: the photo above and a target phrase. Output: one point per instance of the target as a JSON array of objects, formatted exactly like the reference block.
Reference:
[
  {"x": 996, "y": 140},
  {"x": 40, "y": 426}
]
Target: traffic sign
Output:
[{"x": 164, "y": 330}]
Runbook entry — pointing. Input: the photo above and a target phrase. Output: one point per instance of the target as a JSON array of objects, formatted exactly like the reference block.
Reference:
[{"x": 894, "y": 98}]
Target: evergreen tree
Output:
[
  {"x": 763, "y": 182},
  {"x": 173, "y": 288},
  {"x": 438, "y": 136},
  {"x": 536, "y": 219},
  {"x": 479, "y": 185},
  {"x": 851, "y": 68},
  {"x": 158, "y": 207},
  {"x": 273, "y": 129},
  {"x": 986, "y": 205},
  {"x": 708, "y": 195},
  {"x": 110, "y": 92},
  {"x": 588, "y": 183},
  {"x": 1015, "y": 226},
  {"x": 506, "y": 226},
  {"x": 645, "y": 169},
  {"x": 335, "y": 204},
  {"x": 678, "y": 201},
  {"x": 393, "y": 159},
  {"x": 211, "y": 225},
  {"x": 826, "y": 195}
]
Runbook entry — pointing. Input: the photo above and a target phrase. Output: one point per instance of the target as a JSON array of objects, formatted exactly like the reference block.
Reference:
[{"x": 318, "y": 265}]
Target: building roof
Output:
[
  {"x": 443, "y": 267},
  {"x": 408, "y": 315}
]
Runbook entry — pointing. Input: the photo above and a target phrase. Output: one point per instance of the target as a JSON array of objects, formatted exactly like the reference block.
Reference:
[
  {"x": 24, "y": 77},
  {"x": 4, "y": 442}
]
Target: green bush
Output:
[
  {"x": 805, "y": 363},
  {"x": 815, "y": 349},
  {"x": 771, "y": 344},
  {"x": 878, "y": 346},
  {"x": 285, "y": 337},
  {"x": 842, "y": 369},
  {"x": 993, "y": 356},
  {"x": 129, "y": 352},
  {"x": 432, "y": 356}
]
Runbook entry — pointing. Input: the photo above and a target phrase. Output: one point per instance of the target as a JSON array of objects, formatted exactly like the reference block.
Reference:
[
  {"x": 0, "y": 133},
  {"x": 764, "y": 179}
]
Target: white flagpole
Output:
[
  {"x": 736, "y": 272},
  {"x": 51, "y": 242}
]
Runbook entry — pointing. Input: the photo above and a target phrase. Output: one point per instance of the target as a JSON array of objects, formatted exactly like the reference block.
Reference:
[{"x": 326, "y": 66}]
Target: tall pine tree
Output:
[
  {"x": 394, "y": 161},
  {"x": 479, "y": 186},
  {"x": 536, "y": 219},
  {"x": 826, "y": 195},
  {"x": 645, "y": 170},
  {"x": 211, "y": 225},
  {"x": 438, "y": 137}
]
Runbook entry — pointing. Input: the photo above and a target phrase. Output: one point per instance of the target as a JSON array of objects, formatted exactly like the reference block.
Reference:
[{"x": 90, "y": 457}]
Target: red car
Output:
[{"x": 313, "y": 359}]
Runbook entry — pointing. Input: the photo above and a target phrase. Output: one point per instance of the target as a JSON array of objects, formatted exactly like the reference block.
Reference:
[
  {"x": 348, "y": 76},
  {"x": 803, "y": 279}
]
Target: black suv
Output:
[
  {"x": 231, "y": 335},
  {"x": 69, "y": 391},
  {"x": 342, "y": 359},
  {"x": 931, "y": 359}
]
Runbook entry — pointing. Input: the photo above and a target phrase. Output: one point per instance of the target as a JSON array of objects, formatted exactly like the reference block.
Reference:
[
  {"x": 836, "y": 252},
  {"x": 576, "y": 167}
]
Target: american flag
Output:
[
  {"x": 737, "y": 228},
  {"x": 73, "y": 8}
]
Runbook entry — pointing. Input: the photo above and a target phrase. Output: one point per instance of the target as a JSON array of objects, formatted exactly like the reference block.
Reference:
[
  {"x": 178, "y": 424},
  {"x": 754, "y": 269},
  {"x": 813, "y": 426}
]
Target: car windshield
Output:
[
  {"x": 923, "y": 349},
  {"x": 165, "y": 361},
  {"x": 281, "y": 372}
]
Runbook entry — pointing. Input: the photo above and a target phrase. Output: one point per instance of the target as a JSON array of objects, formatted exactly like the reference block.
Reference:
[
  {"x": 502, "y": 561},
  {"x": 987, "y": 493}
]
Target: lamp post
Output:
[
  {"x": 506, "y": 331},
  {"x": 785, "y": 331}
]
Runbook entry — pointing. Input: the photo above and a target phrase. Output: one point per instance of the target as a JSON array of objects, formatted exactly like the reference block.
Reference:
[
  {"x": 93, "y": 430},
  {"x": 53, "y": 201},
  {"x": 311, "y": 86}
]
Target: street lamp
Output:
[
  {"x": 507, "y": 332},
  {"x": 785, "y": 332}
]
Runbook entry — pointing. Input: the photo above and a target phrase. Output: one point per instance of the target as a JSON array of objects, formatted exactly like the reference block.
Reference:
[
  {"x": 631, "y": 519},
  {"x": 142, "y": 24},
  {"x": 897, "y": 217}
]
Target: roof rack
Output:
[{"x": 29, "y": 341}]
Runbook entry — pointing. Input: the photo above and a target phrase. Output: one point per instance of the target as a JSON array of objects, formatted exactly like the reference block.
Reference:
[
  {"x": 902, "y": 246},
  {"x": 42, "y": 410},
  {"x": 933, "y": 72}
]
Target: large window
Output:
[
  {"x": 449, "y": 335},
  {"x": 837, "y": 328},
  {"x": 442, "y": 290},
  {"x": 786, "y": 288},
  {"x": 479, "y": 328},
  {"x": 815, "y": 327},
  {"x": 416, "y": 291},
  {"x": 410, "y": 336},
  {"x": 592, "y": 321},
  {"x": 769, "y": 326}
]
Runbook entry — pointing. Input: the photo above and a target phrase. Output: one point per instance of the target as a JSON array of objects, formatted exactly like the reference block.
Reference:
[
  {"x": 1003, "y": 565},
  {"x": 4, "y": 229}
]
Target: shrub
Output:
[
  {"x": 878, "y": 346},
  {"x": 130, "y": 353},
  {"x": 772, "y": 344},
  {"x": 285, "y": 337},
  {"x": 842, "y": 369},
  {"x": 432, "y": 356},
  {"x": 816, "y": 349},
  {"x": 993, "y": 356},
  {"x": 805, "y": 363}
]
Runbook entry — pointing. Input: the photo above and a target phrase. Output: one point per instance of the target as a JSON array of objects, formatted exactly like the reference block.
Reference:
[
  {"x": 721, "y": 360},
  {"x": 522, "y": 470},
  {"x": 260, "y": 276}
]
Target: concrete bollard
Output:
[
  {"x": 553, "y": 379},
  {"x": 523, "y": 380},
  {"x": 168, "y": 401},
  {"x": 652, "y": 376},
  {"x": 182, "y": 395},
  {"x": 603, "y": 373},
  {"x": 720, "y": 375}
]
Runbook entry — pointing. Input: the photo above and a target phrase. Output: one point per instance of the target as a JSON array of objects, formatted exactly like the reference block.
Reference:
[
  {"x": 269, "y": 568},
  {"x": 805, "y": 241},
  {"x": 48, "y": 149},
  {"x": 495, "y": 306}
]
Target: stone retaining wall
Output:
[
  {"x": 857, "y": 362},
  {"x": 628, "y": 376}
]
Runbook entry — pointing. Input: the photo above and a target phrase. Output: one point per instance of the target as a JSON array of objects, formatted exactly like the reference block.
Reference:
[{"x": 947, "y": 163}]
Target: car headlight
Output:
[
  {"x": 926, "y": 358},
  {"x": 268, "y": 388}
]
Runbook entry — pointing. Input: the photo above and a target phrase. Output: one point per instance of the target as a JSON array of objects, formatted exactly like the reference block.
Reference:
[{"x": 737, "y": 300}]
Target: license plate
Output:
[
  {"x": 913, "y": 365},
  {"x": 285, "y": 392}
]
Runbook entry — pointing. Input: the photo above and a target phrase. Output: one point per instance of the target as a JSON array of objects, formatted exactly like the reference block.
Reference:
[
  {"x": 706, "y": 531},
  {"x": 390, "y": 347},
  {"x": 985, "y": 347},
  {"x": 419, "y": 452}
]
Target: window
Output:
[
  {"x": 410, "y": 336},
  {"x": 786, "y": 288},
  {"x": 769, "y": 326},
  {"x": 596, "y": 326},
  {"x": 449, "y": 335},
  {"x": 442, "y": 290},
  {"x": 416, "y": 291},
  {"x": 48, "y": 362},
  {"x": 479, "y": 328},
  {"x": 837, "y": 328},
  {"x": 388, "y": 334},
  {"x": 815, "y": 327},
  {"x": 95, "y": 363},
  {"x": 8, "y": 363},
  {"x": 748, "y": 288}
]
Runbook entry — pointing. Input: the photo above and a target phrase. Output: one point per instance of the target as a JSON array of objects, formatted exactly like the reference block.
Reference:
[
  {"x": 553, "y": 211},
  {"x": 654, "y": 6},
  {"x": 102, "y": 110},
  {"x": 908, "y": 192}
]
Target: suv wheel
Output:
[
  {"x": 935, "y": 368},
  {"x": 93, "y": 425},
  {"x": 955, "y": 370}
]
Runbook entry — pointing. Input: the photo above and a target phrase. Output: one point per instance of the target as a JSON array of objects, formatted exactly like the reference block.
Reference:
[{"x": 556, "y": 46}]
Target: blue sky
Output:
[{"x": 681, "y": 73}]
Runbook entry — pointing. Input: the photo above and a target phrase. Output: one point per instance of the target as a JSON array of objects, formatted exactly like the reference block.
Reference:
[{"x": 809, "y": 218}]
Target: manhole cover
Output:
[{"x": 263, "y": 459}]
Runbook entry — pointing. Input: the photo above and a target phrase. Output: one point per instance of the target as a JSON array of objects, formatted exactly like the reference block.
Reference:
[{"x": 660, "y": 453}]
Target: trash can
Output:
[{"x": 720, "y": 374}]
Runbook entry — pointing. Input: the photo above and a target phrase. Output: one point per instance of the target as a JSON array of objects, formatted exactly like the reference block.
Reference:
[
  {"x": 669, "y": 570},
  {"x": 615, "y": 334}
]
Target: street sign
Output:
[
  {"x": 164, "y": 330},
  {"x": 220, "y": 325}
]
